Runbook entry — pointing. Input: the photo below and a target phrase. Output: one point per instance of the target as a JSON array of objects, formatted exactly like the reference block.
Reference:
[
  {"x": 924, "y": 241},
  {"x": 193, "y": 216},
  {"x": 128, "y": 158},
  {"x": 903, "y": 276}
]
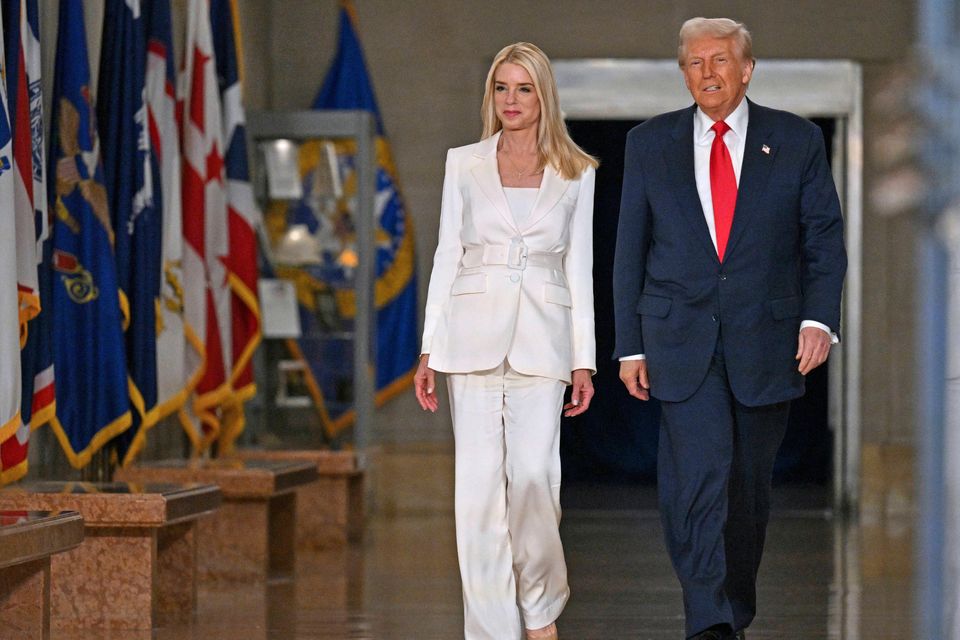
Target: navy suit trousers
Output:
[{"x": 714, "y": 470}]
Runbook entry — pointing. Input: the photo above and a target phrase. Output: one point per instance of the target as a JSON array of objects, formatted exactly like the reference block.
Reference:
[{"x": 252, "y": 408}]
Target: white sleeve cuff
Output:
[
  {"x": 834, "y": 339},
  {"x": 638, "y": 356}
]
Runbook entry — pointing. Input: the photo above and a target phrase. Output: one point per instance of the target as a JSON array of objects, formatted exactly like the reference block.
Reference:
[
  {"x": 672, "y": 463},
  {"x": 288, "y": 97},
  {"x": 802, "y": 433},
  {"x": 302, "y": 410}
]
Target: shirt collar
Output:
[{"x": 737, "y": 121}]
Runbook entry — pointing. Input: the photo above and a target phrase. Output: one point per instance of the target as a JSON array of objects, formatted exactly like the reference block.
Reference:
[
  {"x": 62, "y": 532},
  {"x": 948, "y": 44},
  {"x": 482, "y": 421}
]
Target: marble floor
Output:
[{"x": 821, "y": 579}]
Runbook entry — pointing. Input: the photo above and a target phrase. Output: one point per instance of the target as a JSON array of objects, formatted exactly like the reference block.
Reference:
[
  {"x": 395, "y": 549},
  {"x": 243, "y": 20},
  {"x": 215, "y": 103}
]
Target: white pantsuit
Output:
[
  {"x": 509, "y": 316},
  {"x": 507, "y": 499}
]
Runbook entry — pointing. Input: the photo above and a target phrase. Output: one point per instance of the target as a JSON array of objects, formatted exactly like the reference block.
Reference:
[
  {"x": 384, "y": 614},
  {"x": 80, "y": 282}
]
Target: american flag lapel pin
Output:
[{"x": 765, "y": 149}]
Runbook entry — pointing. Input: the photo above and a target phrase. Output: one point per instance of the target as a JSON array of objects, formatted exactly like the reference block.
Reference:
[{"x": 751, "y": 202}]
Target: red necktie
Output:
[{"x": 723, "y": 186}]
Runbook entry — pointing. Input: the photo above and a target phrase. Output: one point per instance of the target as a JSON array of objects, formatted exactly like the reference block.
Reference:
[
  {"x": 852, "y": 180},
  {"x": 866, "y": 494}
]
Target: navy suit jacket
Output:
[{"x": 784, "y": 263}]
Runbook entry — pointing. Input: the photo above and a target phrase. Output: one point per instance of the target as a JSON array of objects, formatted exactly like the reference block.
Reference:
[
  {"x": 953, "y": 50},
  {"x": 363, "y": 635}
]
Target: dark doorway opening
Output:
[{"x": 613, "y": 446}]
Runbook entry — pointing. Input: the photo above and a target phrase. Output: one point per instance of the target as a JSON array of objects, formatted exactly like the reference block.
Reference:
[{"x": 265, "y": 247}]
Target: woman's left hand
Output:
[
  {"x": 581, "y": 395},
  {"x": 425, "y": 385}
]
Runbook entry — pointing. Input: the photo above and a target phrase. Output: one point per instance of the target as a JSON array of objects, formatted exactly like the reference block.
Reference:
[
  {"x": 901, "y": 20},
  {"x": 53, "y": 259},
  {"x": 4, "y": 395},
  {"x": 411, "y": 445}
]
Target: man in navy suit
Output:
[{"x": 727, "y": 280}]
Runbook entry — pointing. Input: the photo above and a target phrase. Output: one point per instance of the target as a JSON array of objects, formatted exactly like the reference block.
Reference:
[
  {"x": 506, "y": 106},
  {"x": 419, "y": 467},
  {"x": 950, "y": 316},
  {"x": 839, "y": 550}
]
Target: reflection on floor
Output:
[{"x": 821, "y": 580}]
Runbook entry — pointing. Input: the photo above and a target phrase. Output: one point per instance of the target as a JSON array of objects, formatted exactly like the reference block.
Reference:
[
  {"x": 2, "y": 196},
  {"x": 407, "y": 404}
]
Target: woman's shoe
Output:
[{"x": 548, "y": 632}]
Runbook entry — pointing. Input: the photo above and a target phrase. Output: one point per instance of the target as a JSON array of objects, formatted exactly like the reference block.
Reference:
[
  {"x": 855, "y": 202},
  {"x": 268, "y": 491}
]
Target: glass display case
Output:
[{"x": 314, "y": 175}]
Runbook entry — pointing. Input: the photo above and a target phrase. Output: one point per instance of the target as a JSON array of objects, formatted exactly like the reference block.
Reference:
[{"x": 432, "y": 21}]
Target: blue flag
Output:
[
  {"x": 330, "y": 303},
  {"x": 347, "y": 84},
  {"x": 129, "y": 175},
  {"x": 88, "y": 345}
]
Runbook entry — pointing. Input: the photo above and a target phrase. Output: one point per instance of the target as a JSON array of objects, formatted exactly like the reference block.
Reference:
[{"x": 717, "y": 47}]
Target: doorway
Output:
[{"x": 602, "y": 100}]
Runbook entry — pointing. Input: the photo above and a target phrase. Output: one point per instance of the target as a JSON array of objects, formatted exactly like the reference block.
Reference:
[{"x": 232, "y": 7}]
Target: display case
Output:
[{"x": 314, "y": 176}]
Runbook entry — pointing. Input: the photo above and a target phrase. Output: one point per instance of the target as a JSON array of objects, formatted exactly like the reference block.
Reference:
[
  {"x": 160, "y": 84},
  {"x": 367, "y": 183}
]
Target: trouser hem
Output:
[{"x": 545, "y": 615}]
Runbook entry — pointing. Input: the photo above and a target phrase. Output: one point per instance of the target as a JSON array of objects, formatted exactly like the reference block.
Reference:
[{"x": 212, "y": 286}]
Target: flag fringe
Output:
[{"x": 80, "y": 459}]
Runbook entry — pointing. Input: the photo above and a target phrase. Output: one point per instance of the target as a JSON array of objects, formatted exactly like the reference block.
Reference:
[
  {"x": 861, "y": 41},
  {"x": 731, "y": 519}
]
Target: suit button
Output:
[
  {"x": 714, "y": 317},
  {"x": 723, "y": 276},
  {"x": 514, "y": 278}
]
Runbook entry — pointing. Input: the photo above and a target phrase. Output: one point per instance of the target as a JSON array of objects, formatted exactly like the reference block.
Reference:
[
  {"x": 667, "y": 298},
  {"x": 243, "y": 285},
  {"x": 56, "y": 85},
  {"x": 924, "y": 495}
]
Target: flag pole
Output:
[{"x": 100, "y": 467}]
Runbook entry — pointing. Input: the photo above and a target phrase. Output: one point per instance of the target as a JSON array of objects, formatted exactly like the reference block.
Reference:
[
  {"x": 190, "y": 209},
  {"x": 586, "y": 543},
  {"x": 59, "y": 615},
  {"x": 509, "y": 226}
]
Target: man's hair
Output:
[{"x": 715, "y": 28}]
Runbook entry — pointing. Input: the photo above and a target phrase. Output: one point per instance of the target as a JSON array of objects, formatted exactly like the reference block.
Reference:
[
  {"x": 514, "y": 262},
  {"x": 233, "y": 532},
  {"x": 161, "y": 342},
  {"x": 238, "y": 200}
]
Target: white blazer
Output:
[{"x": 499, "y": 291}]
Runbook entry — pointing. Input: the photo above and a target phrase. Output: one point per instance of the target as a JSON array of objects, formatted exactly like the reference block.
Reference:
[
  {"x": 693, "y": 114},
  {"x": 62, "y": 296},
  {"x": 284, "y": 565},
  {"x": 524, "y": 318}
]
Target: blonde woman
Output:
[{"x": 509, "y": 319}]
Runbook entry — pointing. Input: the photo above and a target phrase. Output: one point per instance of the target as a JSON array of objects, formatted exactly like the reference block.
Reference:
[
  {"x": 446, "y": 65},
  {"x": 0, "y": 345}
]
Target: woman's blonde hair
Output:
[{"x": 555, "y": 146}]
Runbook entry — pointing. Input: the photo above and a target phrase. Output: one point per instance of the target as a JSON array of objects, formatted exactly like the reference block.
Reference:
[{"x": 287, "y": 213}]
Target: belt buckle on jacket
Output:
[{"x": 517, "y": 256}]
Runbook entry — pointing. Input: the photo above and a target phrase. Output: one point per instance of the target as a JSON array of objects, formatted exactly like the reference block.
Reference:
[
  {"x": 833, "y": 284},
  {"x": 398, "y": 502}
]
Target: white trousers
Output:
[{"x": 507, "y": 501}]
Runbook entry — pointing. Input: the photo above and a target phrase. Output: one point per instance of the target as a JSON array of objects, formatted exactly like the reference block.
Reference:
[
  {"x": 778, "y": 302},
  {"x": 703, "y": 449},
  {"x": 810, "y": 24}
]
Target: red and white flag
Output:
[
  {"x": 243, "y": 216},
  {"x": 31, "y": 228},
  {"x": 10, "y": 330},
  {"x": 23, "y": 181},
  {"x": 206, "y": 240}
]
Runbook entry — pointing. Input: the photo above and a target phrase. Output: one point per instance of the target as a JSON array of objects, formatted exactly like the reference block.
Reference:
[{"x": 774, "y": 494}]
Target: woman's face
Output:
[{"x": 515, "y": 98}]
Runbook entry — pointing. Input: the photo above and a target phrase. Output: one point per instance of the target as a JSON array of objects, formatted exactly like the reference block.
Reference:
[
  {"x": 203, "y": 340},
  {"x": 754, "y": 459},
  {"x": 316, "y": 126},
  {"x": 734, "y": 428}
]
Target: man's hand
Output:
[
  {"x": 812, "y": 349},
  {"x": 581, "y": 395},
  {"x": 633, "y": 373},
  {"x": 424, "y": 385}
]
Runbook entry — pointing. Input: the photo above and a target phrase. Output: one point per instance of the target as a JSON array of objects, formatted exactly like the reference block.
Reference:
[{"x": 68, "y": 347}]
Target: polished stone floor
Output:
[{"x": 822, "y": 579}]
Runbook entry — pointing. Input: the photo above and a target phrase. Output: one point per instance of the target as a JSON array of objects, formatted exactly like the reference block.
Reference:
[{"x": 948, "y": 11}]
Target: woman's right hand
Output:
[{"x": 424, "y": 385}]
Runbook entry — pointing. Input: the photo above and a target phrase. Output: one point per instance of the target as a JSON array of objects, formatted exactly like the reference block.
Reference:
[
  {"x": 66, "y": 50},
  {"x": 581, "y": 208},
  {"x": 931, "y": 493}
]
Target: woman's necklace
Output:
[{"x": 518, "y": 172}]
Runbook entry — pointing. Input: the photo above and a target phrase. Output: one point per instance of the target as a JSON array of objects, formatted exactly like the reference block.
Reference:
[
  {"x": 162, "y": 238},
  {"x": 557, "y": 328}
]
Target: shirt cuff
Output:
[
  {"x": 638, "y": 356},
  {"x": 834, "y": 339}
]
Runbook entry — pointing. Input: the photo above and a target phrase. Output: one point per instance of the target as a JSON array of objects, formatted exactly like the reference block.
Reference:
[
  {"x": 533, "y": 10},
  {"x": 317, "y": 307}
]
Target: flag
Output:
[
  {"x": 347, "y": 86},
  {"x": 128, "y": 173},
  {"x": 242, "y": 219},
  {"x": 9, "y": 305},
  {"x": 22, "y": 47},
  {"x": 173, "y": 335},
  {"x": 88, "y": 346},
  {"x": 18, "y": 104},
  {"x": 205, "y": 234},
  {"x": 121, "y": 118},
  {"x": 30, "y": 46},
  {"x": 40, "y": 338}
]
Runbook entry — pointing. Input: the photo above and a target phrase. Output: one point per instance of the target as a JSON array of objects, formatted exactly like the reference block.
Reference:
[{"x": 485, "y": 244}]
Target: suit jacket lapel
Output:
[
  {"x": 758, "y": 156},
  {"x": 678, "y": 157},
  {"x": 487, "y": 175},
  {"x": 552, "y": 188}
]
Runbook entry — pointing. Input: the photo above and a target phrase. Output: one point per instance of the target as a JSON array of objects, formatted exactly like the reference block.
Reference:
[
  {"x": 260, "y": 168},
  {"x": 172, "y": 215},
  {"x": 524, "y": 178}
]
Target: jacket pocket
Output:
[
  {"x": 469, "y": 283},
  {"x": 656, "y": 306},
  {"x": 783, "y": 308},
  {"x": 557, "y": 294}
]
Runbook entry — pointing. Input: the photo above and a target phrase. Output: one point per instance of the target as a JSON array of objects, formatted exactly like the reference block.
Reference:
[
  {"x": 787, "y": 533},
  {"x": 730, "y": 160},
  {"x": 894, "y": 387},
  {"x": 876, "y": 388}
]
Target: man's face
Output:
[{"x": 716, "y": 75}]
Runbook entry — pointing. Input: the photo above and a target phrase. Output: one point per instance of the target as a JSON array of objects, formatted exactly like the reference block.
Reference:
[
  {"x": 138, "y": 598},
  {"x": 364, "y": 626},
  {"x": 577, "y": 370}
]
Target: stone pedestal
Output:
[
  {"x": 330, "y": 511},
  {"x": 252, "y": 535},
  {"x": 28, "y": 539},
  {"x": 136, "y": 567}
]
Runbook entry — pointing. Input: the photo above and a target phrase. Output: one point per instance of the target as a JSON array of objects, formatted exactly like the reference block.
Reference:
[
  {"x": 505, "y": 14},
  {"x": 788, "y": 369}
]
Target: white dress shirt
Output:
[
  {"x": 736, "y": 140},
  {"x": 703, "y": 135}
]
